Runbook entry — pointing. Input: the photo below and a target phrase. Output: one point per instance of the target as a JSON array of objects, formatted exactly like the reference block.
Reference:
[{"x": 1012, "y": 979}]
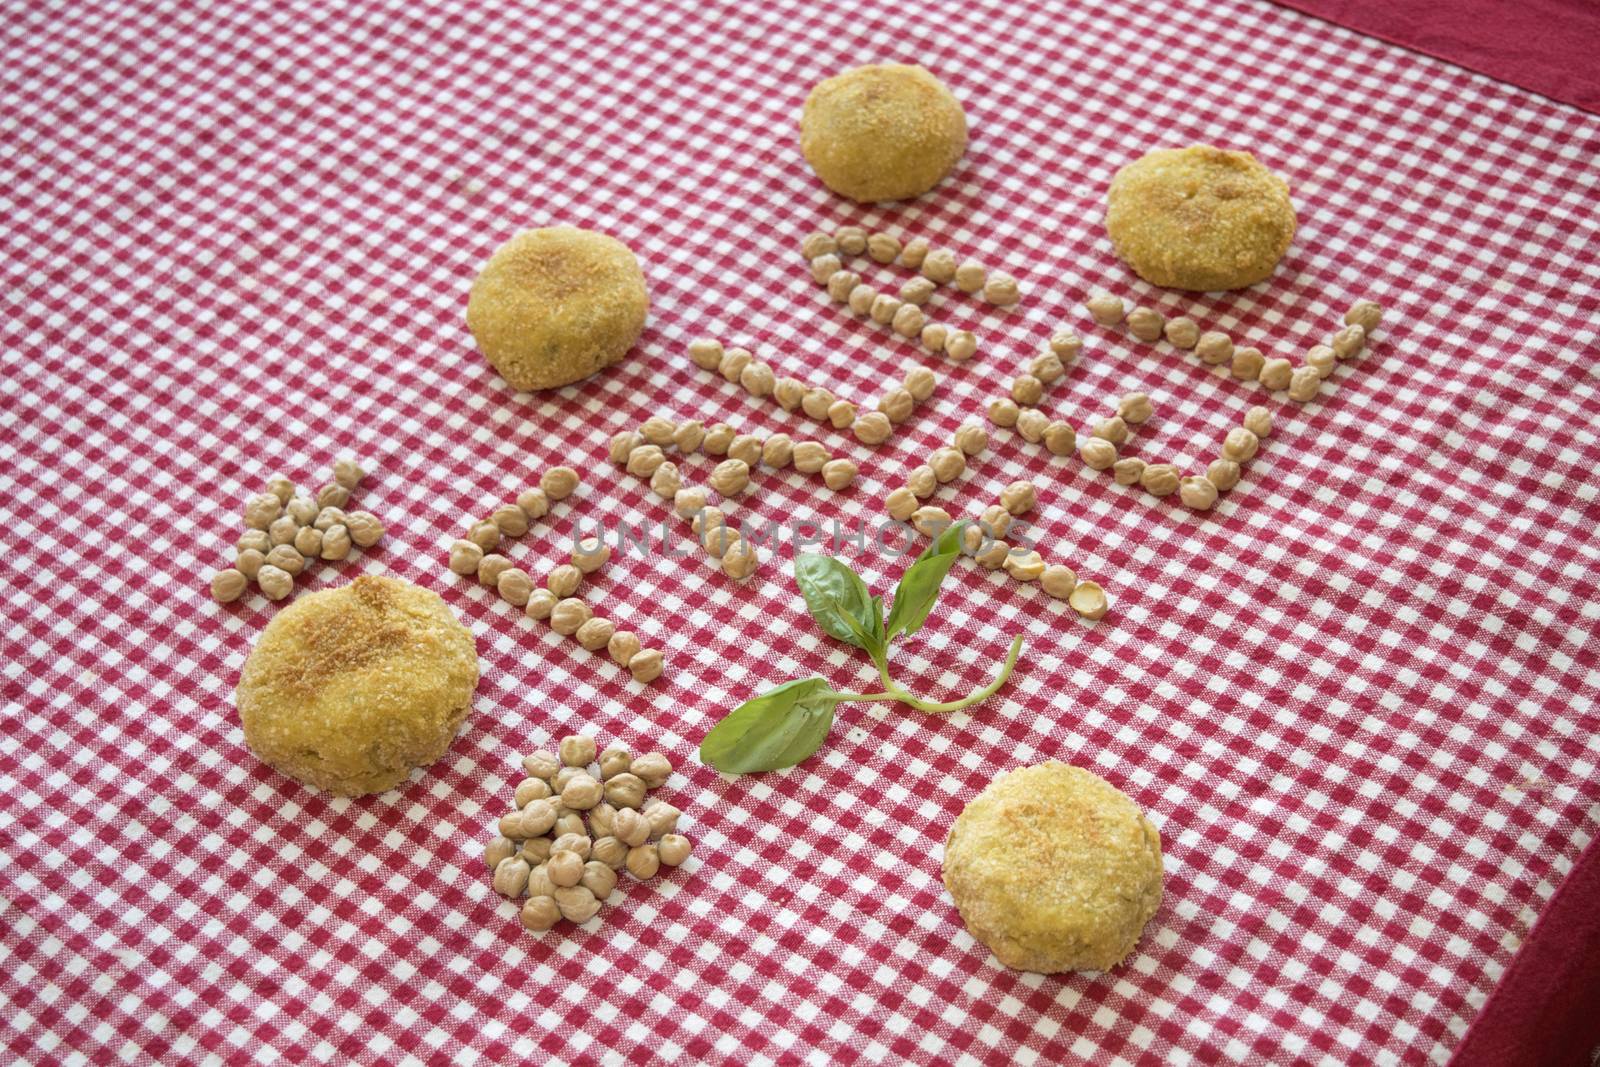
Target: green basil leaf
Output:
[
  {"x": 776, "y": 729},
  {"x": 919, "y": 586},
  {"x": 837, "y": 598}
]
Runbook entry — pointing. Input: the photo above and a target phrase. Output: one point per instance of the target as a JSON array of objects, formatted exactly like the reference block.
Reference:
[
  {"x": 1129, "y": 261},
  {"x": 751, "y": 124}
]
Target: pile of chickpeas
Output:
[
  {"x": 581, "y": 816},
  {"x": 284, "y": 532},
  {"x": 826, "y": 254},
  {"x": 556, "y": 601}
]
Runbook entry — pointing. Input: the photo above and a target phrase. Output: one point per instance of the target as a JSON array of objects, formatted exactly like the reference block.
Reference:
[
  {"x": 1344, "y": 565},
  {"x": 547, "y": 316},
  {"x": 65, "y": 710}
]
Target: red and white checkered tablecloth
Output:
[{"x": 1358, "y": 698}]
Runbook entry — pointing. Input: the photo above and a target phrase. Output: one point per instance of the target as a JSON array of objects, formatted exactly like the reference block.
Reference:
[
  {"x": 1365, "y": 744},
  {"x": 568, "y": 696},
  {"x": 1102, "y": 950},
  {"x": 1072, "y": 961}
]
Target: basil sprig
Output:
[{"x": 783, "y": 726}]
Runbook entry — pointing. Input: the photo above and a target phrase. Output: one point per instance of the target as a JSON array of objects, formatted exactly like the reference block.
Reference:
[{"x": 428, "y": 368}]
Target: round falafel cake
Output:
[{"x": 1054, "y": 869}]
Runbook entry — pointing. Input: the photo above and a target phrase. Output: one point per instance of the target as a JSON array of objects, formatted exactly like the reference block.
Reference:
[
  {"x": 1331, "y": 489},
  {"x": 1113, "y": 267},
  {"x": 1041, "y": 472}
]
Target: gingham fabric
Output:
[{"x": 1358, "y": 698}]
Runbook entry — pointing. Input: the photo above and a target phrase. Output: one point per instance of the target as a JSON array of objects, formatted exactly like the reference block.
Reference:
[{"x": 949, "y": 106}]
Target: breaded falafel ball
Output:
[
  {"x": 555, "y": 305},
  {"x": 350, "y": 688},
  {"x": 1054, "y": 869},
  {"x": 1199, "y": 218},
  {"x": 881, "y": 133}
]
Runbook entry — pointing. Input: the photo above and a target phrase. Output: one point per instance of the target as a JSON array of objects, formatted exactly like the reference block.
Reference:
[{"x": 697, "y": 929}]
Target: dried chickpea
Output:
[
  {"x": 1106, "y": 309},
  {"x": 643, "y": 862},
  {"x": 601, "y": 818},
  {"x": 1001, "y": 290},
  {"x": 672, "y": 850},
  {"x": 1214, "y": 347},
  {"x": 734, "y": 361},
  {"x": 816, "y": 403},
  {"x": 539, "y": 914},
  {"x": 939, "y": 266},
  {"x": 1058, "y": 581},
  {"x": 825, "y": 267},
  {"x": 576, "y": 842},
  {"x": 643, "y": 461},
  {"x": 564, "y": 580},
  {"x": 913, "y": 253},
  {"x": 256, "y": 540},
  {"x": 1032, "y": 424},
  {"x": 717, "y": 439},
  {"x": 541, "y": 602},
  {"x": 228, "y": 585},
  {"x": 364, "y": 528},
  {"x": 884, "y": 308},
  {"x": 947, "y": 464},
  {"x": 1018, "y": 498},
  {"x": 514, "y": 586},
  {"x": 922, "y": 482},
  {"x": 1275, "y": 373},
  {"x": 706, "y": 353},
  {"x": 576, "y": 750},
  {"x": 541, "y": 764},
  {"x": 993, "y": 557},
  {"x": 534, "y": 504},
  {"x": 841, "y": 413},
  {"x": 1258, "y": 420},
  {"x": 1145, "y": 323},
  {"x": 1366, "y": 314},
  {"x": 250, "y": 561},
  {"x": 662, "y": 817},
  {"x": 511, "y": 877},
  {"x": 564, "y": 868},
  {"x": 1182, "y": 332},
  {"x": 739, "y": 560},
  {"x": 595, "y": 634},
  {"x": 747, "y": 448},
  {"x": 961, "y": 345},
  {"x": 1097, "y": 453},
  {"x": 631, "y": 828},
  {"x": 666, "y": 482},
  {"x": 931, "y": 521},
  {"x": 1197, "y": 492},
  {"x": 569, "y": 615},
  {"x": 646, "y": 666},
  {"x": 1304, "y": 384},
  {"x": 1128, "y": 471},
  {"x": 1060, "y": 438},
  {"x": 1047, "y": 367},
  {"x": 917, "y": 291},
  {"x": 1089, "y": 600},
  {"x": 908, "y": 321},
  {"x": 336, "y": 543},
  {"x": 973, "y": 539},
  {"x": 818, "y": 244},
  {"x": 901, "y": 503},
  {"x": 327, "y": 518},
  {"x": 789, "y": 392},
  {"x": 852, "y": 240},
  {"x": 499, "y": 848},
  {"x": 577, "y": 904},
  {"x": 970, "y": 276},
  {"x": 281, "y": 487},
  {"x": 287, "y": 558},
  {"x": 995, "y": 520},
  {"x": 536, "y": 851},
  {"x": 1113, "y": 429},
  {"x": 873, "y": 428},
  {"x": 1160, "y": 479},
  {"x": 1247, "y": 363},
  {"x": 614, "y": 761},
  {"x": 1135, "y": 408},
  {"x": 1026, "y": 567},
  {"x": 621, "y": 648},
  {"x": 531, "y": 789},
  {"x": 332, "y": 495},
  {"x": 465, "y": 557},
  {"x": 971, "y": 439},
  {"x": 282, "y": 531},
  {"x": 658, "y": 431},
  {"x": 838, "y": 474},
  {"x": 842, "y": 284},
  {"x": 567, "y": 820},
  {"x": 1349, "y": 341},
  {"x": 777, "y": 451},
  {"x": 261, "y": 510},
  {"x": 1027, "y": 390},
  {"x": 302, "y": 510},
  {"x": 1224, "y": 474},
  {"x": 609, "y": 851},
  {"x": 809, "y": 457},
  {"x": 510, "y": 520},
  {"x": 626, "y": 790},
  {"x": 896, "y": 404},
  {"x": 758, "y": 379},
  {"x": 883, "y": 247},
  {"x": 861, "y": 299},
  {"x": 590, "y": 554},
  {"x": 1004, "y": 412},
  {"x": 559, "y": 482},
  {"x": 308, "y": 541},
  {"x": 598, "y": 878},
  {"x": 1066, "y": 347},
  {"x": 934, "y": 336},
  {"x": 730, "y": 477},
  {"x": 1240, "y": 445},
  {"x": 580, "y": 794}
]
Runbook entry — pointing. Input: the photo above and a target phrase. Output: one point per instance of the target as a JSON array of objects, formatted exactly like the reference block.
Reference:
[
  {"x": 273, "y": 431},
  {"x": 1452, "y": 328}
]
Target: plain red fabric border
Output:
[
  {"x": 1547, "y": 46},
  {"x": 1545, "y": 1011}
]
